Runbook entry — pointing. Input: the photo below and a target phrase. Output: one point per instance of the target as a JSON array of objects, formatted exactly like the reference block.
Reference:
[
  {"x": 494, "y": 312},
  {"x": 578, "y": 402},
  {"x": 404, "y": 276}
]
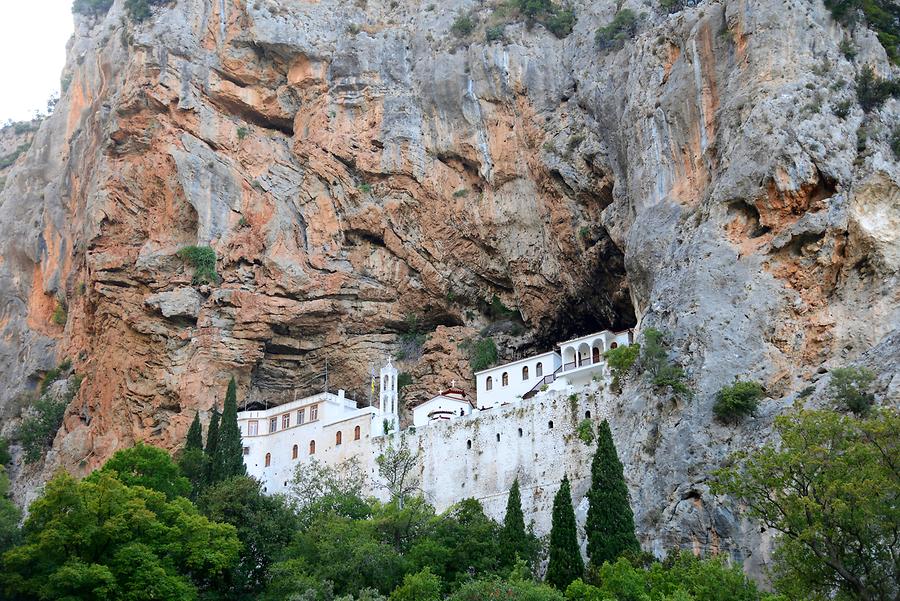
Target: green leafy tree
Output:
[
  {"x": 682, "y": 577},
  {"x": 737, "y": 401},
  {"x": 264, "y": 524},
  {"x": 459, "y": 543},
  {"x": 343, "y": 551},
  {"x": 620, "y": 361},
  {"x": 656, "y": 363},
  {"x": 9, "y": 516},
  {"x": 494, "y": 589},
  {"x": 5, "y": 456},
  {"x": 397, "y": 471},
  {"x": 610, "y": 521},
  {"x": 102, "y": 539},
  {"x": 515, "y": 541},
  {"x": 147, "y": 466},
  {"x": 40, "y": 426},
  {"x": 622, "y": 28},
  {"x": 830, "y": 489},
  {"x": 421, "y": 586},
  {"x": 849, "y": 387},
  {"x": 565, "y": 563},
  {"x": 402, "y": 527},
  {"x": 317, "y": 488},
  {"x": 210, "y": 452},
  {"x": 228, "y": 460}
]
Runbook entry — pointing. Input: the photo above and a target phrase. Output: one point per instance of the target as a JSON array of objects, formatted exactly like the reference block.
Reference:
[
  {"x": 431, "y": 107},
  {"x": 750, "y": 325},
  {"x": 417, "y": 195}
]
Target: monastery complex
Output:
[{"x": 521, "y": 422}]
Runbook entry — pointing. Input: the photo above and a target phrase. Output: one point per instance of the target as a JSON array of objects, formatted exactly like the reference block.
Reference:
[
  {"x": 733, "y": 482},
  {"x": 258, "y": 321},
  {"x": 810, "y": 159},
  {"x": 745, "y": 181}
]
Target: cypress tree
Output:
[
  {"x": 212, "y": 443},
  {"x": 192, "y": 460},
  {"x": 195, "y": 434},
  {"x": 229, "y": 458},
  {"x": 610, "y": 521},
  {"x": 514, "y": 541},
  {"x": 565, "y": 564}
]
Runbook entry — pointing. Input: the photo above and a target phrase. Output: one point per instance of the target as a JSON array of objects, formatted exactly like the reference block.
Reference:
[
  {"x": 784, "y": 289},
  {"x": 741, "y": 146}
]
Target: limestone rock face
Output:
[{"x": 357, "y": 169}]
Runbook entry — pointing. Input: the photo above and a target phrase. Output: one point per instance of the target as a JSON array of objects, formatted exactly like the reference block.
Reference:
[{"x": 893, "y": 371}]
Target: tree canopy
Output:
[
  {"x": 103, "y": 539},
  {"x": 147, "y": 466},
  {"x": 832, "y": 492}
]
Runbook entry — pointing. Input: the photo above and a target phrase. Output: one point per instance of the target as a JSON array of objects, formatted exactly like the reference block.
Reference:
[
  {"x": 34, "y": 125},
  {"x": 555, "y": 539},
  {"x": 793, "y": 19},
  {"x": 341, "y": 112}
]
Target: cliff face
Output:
[{"x": 356, "y": 164}]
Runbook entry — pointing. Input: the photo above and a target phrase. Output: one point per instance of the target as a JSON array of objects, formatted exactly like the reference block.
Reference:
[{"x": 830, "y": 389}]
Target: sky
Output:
[{"x": 33, "y": 36}]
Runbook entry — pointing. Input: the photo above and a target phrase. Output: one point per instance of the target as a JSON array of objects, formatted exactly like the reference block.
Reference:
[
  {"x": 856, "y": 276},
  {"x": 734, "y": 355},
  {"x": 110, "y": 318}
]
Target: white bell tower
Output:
[{"x": 388, "y": 403}]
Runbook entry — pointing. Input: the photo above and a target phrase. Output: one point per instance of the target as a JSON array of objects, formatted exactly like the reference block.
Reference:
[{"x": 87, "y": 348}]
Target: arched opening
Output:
[
  {"x": 584, "y": 354},
  {"x": 498, "y": 437},
  {"x": 525, "y": 373},
  {"x": 468, "y": 444},
  {"x": 337, "y": 438},
  {"x": 539, "y": 370},
  {"x": 504, "y": 379},
  {"x": 595, "y": 355},
  {"x": 295, "y": 452},
  {"x": 613, "y": 345},
  {"x": 569, "y": 360},
  {"x": 587, "y": 415},
  {"x": 356, "y": 433},
  {"x": 312, "y": 447},
  {"x": 489, "y": 383},
  {"x": 387, "y": 379},
  {"x": 520, "y": 432},
  {"x": 268, "y": 459},
  {"x": 550, "y": 424}
]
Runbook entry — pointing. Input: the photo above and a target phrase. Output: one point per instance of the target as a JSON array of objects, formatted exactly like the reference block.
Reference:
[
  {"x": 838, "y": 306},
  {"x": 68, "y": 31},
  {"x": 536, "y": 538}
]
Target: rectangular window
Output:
[
  {"x": 313, "y": 413},
  {"x": 252, "y": 428},
  {"x": 246, "y": 450},
  {"x": 301, "y": 417},
  {"x": 285, "y": 421},
  {"x": 273, "y": 424}
]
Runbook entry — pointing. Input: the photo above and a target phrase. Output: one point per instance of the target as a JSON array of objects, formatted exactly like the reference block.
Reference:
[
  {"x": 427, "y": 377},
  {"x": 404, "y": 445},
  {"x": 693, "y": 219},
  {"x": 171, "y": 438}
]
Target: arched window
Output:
[
  {"x": 268, "y": 459},
  {"x": 489, "y": 383},
  {"x": 386, "y": 380},
  {"x": 524, "y": 373},
  {"x": 468, "y": 444},
  {"x": 587, "y": 415},
  {"x": 312, "y": 447},
  {"x": 504, "y": 379},
  {"x": 294, "y": 452},
  {"x": 550, "y": 424},
  {"x": 595, "y": 355},
  {"x": 337, "y": 438},
  {"x": 539, "y": 369},
  {"x": 614, "y": 345},
  {"x": 356, "y": 433},
  {"x": 520, "y": 432},
  {"x": 498, "y": 437}
]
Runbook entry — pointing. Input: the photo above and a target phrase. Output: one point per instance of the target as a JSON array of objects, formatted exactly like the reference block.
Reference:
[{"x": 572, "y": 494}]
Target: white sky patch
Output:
[{"x": 33, "y": 36}]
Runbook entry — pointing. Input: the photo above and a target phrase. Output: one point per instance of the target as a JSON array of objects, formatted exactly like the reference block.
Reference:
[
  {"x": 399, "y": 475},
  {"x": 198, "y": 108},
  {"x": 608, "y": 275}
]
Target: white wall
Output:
[{"x": 517, "y": 387}]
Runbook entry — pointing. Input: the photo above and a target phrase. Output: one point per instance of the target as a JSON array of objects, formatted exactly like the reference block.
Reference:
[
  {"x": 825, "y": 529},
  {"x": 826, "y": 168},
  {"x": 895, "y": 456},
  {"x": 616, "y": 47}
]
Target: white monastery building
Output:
[{"x": 479, "y": 443}]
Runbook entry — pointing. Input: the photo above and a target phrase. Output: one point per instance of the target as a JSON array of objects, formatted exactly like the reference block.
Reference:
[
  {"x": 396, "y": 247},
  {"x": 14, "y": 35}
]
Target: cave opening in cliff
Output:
[{"x": 600, "y": 301}]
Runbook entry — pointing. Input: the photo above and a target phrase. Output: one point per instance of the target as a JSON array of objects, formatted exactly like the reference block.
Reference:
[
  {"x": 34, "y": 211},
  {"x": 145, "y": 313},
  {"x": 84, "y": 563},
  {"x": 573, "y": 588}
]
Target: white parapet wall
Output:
[{"x": 480, "y": 455}]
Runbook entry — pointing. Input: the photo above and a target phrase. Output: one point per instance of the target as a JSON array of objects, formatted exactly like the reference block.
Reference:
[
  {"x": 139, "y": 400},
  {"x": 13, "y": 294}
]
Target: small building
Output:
[
  {"x": 506, "y": 383},
  {"x": 448, "y": 405},
  {"x": 582, "y": 358},
  {"x": 328, "y": 427}
]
